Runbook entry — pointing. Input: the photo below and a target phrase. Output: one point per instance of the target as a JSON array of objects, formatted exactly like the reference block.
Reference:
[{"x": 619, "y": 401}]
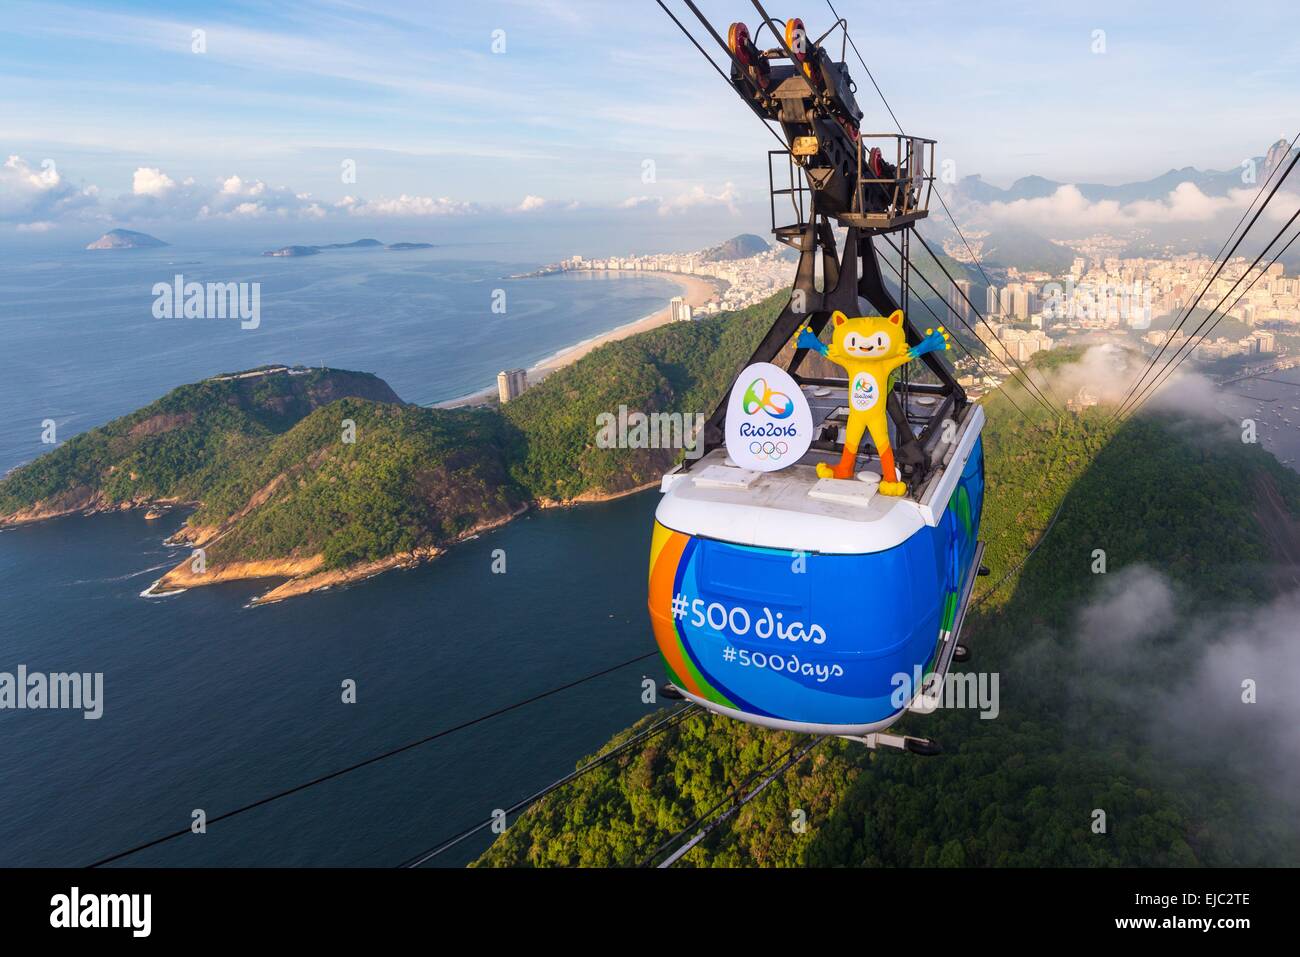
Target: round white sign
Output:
[
  {"x": 769, "y": 424},
  {"x": 864, "y": 392}
]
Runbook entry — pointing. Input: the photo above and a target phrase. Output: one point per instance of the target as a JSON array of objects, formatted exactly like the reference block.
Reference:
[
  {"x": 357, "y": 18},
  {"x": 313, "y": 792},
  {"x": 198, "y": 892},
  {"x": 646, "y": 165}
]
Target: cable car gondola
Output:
[{"x": 796, "y": 581}]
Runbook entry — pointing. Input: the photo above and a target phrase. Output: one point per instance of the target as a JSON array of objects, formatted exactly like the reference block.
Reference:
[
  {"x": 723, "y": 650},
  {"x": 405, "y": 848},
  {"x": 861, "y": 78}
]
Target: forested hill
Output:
[
  {"x": 323, "y": 476},
  {"x": 1078, "y": 729}
]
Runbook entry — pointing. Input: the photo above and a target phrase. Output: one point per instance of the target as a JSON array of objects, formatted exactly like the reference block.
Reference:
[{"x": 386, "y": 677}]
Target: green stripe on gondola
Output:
[
  {"x": 949, "y": 611},
  {"x": 673, "y": 676},
  {"x": 962, "y": 505},
  {"x": 710, "y": 692}
]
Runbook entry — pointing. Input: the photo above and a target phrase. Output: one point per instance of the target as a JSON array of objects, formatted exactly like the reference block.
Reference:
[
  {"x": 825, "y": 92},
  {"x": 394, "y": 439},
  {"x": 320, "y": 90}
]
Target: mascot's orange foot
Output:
[
  {"x": 826, "y": 471},
  {"x": 893, "y": 488}
]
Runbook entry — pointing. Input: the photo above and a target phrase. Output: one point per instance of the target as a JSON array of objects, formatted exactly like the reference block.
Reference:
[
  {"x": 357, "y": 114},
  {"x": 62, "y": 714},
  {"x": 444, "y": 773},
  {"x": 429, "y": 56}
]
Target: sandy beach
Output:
[{"x": 696, "y": 290}]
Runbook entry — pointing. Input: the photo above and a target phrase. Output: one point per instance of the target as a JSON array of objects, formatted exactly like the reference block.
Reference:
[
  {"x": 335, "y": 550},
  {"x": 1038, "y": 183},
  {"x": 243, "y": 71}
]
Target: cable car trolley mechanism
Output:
[{"x": 811, "y": 570}]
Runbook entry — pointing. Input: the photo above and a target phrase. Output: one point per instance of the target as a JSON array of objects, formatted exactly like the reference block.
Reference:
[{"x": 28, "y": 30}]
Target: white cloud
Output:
[
  {"x": 40, "y": 195},
  {"x": 695, "y": 198},
  {"x": 699, "y": 197},
  {"x": 531, "y": 204},
  {"x": 1133, "y": 605},
  {"x": 405, "y": 205},
  {"x": 1068, "y": 209},
  {"x": 1182, "y": 670},
  {"x": 31, "y": 195},
  {"x": 149, "y": 181},
  {"x": 537, "y": 204},
  {"x": 1110, "y": 371},
  {"x": 47, "y": 179}
]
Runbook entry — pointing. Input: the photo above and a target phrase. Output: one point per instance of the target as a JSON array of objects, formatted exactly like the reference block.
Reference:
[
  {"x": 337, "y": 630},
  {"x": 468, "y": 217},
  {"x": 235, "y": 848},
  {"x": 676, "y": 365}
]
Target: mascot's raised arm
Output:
[{"x": 869, "y": 349}]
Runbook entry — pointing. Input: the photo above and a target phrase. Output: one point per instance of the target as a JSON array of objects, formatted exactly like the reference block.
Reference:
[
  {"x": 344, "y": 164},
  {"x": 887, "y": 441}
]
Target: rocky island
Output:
[
  {"x": 290, "y": 251},
  {"x": 125, "y": 239}
]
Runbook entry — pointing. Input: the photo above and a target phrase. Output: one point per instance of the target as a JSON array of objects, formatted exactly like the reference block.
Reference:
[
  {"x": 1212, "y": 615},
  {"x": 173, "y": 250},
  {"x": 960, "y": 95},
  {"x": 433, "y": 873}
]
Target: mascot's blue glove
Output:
[
  {"x": 806, "y": 340},
  {"x": 936, "y": 340}
]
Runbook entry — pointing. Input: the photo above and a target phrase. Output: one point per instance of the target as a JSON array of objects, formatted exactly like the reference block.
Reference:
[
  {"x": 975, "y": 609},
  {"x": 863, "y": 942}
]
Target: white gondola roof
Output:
[{"x": 793, "y": 509}]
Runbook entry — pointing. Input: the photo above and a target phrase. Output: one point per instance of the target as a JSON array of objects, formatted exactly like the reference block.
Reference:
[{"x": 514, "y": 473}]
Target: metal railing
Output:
[
  {"x": 910, "y": 187},
  {"x": 876, "y": 202}
]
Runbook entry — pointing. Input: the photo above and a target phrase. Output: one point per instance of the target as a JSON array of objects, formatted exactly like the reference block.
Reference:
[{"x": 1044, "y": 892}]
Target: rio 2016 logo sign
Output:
[
  {"x": 864, "y": 394},
  {"x": 769, "y": 424},
  {"x": 760, "y": 396}
]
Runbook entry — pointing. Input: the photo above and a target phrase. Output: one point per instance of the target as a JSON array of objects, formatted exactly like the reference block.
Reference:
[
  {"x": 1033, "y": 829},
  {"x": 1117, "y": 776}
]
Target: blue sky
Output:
[{"x": 563, "y": 121}]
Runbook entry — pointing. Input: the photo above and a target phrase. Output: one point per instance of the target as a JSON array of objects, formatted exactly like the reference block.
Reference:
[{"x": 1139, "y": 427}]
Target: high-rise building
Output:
[
  {"x": 958, "y": 296},
  {"x": 511, "y": 383},
  {"x": 991, "y": 302},
  {"x": 1019, "y": 300},
  {"x": 1267, "y": 341},
  {"x": 679, "y": 309}
]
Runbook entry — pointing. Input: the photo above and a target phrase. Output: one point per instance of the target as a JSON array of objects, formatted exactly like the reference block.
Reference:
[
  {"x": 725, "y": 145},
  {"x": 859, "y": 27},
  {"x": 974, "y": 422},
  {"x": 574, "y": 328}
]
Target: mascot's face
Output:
[{"x": 869, "y": 337}]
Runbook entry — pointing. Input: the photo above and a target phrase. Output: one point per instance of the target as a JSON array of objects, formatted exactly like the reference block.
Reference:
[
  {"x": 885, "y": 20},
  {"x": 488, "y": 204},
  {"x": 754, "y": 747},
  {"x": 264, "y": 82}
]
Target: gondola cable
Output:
[
  {"x": 961, "y": 345},
  {"x": 733, "y": 795},
  {"x": 681, "y": 26},
  {"x": 704, "y": 832},
  {"x": 975, "y": 259},
  {"x": 1246, "y": 212},
  {"x": 1011, "y": 374},
  {"x": 976, "y": 602},
  {"x": 1036, "y": 390},
  {"x": 879, "y": 92},
  {"x": 733, "y": 792},
  {"x": 374, "y": 759},
  {"x": 674, "y": 718},
  {"x": 1211, "y": 276},
  {"x": 1190, "y": 346},
  {"x": 1134, "y": 390}
]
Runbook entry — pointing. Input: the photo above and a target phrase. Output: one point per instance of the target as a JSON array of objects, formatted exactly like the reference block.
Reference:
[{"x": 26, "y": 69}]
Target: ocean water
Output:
[
  {"x": 1273, "y": 402},
  {"x": 211, "y": 704},
  {"x": 79, "y": 344}
]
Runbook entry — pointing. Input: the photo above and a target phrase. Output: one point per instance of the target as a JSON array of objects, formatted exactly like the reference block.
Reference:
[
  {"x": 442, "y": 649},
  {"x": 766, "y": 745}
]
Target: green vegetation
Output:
[
  {"x": 412, "y": 479},
  {"x": 169, "y": 448},
  {"x": 265, "y": 459},
  {"x": 684, "y": 368},
  {"x": 1018, "y": 790}
]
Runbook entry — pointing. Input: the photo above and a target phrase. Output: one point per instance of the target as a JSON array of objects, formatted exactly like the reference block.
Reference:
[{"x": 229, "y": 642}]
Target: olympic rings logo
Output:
[
  {"x": 759, "y": 396},
  {"x": 768, "y": 450}
]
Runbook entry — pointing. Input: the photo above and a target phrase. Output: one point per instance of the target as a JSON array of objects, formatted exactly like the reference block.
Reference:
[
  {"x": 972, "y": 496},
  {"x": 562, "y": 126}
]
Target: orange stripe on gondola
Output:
[{"x": 663, "y": 572}]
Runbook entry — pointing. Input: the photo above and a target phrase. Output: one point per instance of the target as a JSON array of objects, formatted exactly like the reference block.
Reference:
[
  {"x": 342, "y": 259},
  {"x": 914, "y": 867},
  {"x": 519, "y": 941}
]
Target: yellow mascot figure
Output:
[{"x": 869, "y": 349}]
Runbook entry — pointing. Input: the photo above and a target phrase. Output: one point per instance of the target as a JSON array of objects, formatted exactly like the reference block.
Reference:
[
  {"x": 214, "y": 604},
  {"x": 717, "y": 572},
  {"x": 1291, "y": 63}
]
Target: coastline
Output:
[
  {"x": 696, "y": 290},
  {"x": 304, "y": 574}
]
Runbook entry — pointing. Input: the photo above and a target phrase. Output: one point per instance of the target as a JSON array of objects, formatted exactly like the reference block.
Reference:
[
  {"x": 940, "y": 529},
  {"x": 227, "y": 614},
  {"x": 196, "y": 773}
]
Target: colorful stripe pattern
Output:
[{"x": 816, "y": 639}]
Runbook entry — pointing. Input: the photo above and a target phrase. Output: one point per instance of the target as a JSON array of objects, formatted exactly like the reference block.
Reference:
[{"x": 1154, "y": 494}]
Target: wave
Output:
[
  {"x": 122, "y": 578},
  {"x": 150, "y": 593}
]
